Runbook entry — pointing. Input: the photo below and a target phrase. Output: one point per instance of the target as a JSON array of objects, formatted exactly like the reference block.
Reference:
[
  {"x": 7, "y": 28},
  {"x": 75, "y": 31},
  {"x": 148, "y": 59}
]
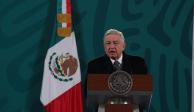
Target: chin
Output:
[{"x": 113, "y": 57}]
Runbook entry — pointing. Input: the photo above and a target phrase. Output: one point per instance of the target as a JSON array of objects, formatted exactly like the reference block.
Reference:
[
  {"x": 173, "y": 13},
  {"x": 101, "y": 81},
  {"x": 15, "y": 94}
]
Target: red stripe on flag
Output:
[
  {"x": 68, "y": 9},
  {"x": 68, "y": 3},
  {"x": 70, "y": 101}
]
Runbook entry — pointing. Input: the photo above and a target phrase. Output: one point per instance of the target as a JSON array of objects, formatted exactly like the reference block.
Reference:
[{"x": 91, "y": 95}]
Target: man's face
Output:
[{"x": 114, "y": 46}]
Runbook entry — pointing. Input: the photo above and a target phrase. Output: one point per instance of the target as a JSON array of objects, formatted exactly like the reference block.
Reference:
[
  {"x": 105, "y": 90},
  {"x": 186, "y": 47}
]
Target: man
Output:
[
  {"x": 115, "y": 57},
  {"x": 114, "y": 45}
]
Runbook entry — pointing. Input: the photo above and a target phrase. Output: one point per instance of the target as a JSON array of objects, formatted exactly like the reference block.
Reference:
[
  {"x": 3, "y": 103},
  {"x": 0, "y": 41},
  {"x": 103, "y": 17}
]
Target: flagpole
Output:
[{"x": 193, "y": 67}]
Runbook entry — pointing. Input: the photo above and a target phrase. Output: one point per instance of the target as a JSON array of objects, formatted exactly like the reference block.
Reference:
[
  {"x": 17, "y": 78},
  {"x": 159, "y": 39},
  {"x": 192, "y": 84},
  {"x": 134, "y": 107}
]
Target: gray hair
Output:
[{"x": 114, "y": 31}]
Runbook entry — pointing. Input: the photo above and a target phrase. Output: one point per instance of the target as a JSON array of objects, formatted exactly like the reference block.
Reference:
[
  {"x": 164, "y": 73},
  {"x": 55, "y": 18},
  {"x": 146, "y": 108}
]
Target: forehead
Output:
[{"x": 112, "y": 37}]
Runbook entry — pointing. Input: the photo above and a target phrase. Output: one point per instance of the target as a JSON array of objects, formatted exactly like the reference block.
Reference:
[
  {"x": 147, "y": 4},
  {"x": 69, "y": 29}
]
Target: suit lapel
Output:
[
  {"x": 126, "y": 63},
  {"x": 108, "y": 66}
]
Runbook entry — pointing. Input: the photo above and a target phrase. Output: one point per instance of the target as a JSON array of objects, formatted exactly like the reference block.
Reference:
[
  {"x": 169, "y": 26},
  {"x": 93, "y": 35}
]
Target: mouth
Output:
[{"x": 112, "y": 52}]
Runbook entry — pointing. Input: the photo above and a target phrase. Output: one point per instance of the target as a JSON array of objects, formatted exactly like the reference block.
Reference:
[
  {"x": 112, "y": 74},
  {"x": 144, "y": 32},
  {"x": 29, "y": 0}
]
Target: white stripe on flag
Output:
[
  {"x": 51, "y": 87},
  {"x": 64, "y": 11}
]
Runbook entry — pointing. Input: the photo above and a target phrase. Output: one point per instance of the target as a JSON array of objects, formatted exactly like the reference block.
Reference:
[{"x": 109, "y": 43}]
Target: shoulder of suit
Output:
[
  {"x": 133, "y": 57},
  {"x": 99, "y": 60}
]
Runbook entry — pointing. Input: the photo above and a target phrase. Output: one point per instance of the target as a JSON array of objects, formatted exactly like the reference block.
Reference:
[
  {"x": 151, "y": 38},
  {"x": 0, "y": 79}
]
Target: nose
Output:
[{"x": 112, "y": 45}]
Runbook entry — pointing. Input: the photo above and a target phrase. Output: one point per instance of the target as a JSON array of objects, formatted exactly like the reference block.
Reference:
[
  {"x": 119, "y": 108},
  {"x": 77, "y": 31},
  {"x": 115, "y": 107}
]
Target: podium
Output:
[{"x": 98, "y": 93}]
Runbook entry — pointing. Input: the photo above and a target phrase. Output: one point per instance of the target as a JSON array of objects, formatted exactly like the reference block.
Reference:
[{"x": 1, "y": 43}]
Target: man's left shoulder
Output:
[{"x": 132, "y": 57}]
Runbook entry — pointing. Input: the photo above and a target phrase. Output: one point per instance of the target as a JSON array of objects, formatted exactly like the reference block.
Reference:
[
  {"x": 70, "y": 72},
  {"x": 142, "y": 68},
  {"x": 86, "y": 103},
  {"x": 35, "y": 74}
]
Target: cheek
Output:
[
  {"x": 105, "y": 48},
  {"x": 120, "y": 48}
]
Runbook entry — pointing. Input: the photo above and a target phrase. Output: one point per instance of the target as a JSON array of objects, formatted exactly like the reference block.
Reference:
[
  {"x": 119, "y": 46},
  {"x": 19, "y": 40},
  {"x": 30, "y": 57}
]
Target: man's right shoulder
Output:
[{"x": 98, "y": 60}]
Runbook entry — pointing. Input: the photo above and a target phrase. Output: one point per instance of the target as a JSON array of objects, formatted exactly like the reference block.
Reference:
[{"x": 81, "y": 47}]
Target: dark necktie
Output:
[{"x": 117, "y": 65}]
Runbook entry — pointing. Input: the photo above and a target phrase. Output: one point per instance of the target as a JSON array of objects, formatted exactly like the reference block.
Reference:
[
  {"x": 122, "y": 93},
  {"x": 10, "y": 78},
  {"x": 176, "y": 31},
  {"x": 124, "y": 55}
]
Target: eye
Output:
[
  {"x": 115, "y": 42},
  {"x": 107, "y": 43}
]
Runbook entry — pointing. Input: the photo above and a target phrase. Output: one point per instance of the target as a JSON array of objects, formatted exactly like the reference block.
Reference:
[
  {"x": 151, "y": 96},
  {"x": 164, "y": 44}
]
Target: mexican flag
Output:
[{"x": 61, "y": 86}]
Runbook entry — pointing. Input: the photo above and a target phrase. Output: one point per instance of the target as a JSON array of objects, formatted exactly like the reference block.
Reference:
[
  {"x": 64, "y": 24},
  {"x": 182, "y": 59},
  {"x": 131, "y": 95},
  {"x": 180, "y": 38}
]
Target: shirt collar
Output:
[{"x": 119, "y": 60}]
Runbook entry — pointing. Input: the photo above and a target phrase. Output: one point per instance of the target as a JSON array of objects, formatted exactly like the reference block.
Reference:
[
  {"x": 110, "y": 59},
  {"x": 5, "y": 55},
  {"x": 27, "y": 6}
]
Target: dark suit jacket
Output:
[{"x": 130, "y": 64}]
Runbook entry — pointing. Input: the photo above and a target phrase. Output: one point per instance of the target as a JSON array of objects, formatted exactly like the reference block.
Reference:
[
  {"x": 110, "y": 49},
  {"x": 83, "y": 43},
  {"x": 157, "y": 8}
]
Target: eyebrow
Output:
[{"x": 114, "y": 42}]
